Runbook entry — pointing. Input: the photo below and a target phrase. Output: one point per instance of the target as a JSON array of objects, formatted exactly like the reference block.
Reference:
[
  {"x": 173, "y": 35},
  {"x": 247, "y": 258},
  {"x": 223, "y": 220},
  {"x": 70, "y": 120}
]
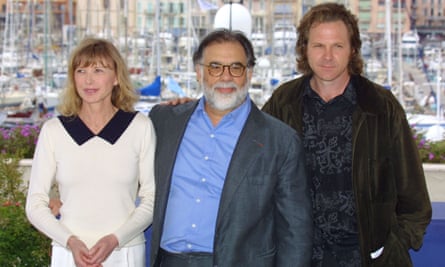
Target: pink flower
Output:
[{"x": 430, "y": 156}]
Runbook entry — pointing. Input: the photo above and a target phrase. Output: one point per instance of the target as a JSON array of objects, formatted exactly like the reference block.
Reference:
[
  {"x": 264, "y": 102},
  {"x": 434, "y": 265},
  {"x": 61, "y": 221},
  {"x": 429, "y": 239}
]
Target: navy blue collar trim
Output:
[{"x": 111, "y": 132}]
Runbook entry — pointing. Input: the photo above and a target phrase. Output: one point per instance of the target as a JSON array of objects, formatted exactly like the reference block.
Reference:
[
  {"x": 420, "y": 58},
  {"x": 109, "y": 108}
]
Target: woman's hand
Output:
[
  {"x": 80, "y": 252},
  {"x": 102, "y": 249}
]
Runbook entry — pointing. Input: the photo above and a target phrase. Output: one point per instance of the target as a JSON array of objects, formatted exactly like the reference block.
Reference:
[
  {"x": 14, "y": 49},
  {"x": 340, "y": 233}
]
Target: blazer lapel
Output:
[
  {"x": 247, "y": 150},
  {"x": 173, "y": 128}
]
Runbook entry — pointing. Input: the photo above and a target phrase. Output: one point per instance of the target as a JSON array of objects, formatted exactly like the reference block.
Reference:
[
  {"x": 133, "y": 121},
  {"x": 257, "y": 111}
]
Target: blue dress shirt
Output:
[{"x": 198, "y": 178}]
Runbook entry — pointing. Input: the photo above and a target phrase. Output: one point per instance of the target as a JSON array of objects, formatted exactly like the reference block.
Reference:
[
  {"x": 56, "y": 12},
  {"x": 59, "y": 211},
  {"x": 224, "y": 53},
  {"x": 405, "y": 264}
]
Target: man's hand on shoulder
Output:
[{"x": 177, "y": 101}]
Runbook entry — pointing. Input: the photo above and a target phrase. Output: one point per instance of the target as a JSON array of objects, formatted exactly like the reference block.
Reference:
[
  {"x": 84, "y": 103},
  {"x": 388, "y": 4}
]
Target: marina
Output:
[
  {"x": 36, "y": 45},
  {"x": 34, "y": 56}
]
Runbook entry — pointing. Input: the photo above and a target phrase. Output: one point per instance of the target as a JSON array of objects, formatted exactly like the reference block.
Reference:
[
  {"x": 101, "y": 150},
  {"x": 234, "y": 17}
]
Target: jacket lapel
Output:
[
  {"x": 173, "y": 128},
  {"x": 250, "y": 146}
]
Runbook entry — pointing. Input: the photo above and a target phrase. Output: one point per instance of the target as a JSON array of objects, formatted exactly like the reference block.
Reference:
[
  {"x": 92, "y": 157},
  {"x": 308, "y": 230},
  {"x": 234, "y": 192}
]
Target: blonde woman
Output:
[{"x": 101, "y": 154}]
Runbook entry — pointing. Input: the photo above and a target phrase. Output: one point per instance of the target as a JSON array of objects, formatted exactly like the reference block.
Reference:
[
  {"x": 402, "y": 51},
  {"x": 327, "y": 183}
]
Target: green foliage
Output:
[{"x": 20, "y": 243}]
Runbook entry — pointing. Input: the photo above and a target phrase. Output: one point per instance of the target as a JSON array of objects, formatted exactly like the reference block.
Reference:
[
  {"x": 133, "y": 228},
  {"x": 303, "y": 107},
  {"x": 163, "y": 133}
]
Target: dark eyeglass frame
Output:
[{"x": 217, "y": 69}]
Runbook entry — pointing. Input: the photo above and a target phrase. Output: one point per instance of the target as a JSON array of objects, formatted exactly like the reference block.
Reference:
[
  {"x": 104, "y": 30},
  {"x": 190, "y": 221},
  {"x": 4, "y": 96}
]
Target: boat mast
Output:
[
  {"x": 47, "y": 33},
  {"x": 88, "y": 19},
  {"x": 5, "y": 34},
  {"x": 438, "y": 80},
  {"x": 107, "y": 20},
  {"x": 29, "y": 30},
  {"x": 190, "y": 39},
  {"x": 388, "y": 41},
  {"x": 123, "y": 26},
  {"x": 157, "y": 42},
  {"x": 399, "y": 36},
  {"x": 71, "y": 22}
]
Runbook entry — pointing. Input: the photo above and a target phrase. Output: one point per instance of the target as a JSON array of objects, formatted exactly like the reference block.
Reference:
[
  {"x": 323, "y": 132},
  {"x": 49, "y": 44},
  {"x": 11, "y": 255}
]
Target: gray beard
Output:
[{"x": 224, "y": 102}]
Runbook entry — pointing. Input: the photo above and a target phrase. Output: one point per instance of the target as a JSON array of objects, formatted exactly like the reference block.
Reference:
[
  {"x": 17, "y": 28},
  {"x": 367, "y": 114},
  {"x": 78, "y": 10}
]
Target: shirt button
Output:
[
  {"x": 203, "y": 180},
  {"x": 212, "y": 136},
  {"x": 189, "y": 245},
  {"x": 198, "y": 200},
  {"x": 193, "y": 225},
  {"x": 206, "y": 157}
]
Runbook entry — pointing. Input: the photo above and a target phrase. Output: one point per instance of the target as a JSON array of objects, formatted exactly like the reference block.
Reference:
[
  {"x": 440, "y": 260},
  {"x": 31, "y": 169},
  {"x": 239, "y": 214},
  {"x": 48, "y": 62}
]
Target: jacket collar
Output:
[{"x": 369, "y": 94}]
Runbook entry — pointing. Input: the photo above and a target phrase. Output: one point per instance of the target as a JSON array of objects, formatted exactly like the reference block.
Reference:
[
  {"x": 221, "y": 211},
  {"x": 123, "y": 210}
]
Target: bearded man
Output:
[{"x": 232, "y": 188}]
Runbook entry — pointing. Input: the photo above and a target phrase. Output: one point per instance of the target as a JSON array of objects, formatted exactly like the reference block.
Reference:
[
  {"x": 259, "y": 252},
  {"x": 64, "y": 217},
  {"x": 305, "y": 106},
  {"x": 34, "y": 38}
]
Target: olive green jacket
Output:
[{"x": 393, "y": 206}]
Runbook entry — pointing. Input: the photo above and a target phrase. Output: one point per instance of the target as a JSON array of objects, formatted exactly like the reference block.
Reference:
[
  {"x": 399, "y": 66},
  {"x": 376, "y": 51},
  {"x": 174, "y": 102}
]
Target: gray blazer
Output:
[{"x": 265, "y": 212}]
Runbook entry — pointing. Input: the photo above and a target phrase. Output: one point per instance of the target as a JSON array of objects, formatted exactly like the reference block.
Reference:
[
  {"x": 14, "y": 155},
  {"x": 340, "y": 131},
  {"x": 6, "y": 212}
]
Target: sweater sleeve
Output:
[{"x": 41, "y": 179}]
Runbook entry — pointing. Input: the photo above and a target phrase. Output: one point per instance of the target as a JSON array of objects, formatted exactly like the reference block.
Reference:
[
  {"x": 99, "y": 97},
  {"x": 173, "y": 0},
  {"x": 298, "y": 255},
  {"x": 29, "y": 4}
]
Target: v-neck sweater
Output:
[{"x": 100, "y": 177}]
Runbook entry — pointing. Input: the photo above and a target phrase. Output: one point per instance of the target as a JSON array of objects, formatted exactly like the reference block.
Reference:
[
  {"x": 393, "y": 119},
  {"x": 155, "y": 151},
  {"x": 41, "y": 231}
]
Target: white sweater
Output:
[{"x": 98, "y": 181}]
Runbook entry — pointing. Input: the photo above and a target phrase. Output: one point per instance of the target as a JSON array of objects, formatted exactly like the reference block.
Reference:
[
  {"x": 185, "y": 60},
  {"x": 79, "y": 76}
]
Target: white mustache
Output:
[{"x": 225, "y": 85}]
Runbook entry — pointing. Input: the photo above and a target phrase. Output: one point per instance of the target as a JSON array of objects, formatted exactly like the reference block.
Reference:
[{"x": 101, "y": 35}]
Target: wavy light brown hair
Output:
[
  {"x": 323, "y": 13},
  {"x": 91, "y": 52}
]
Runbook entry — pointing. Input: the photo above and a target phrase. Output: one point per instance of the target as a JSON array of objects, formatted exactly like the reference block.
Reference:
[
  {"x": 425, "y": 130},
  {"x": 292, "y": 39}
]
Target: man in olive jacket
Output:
[
  {"x": 370, "y": 198},
  {"x": 391, "y": 196}
]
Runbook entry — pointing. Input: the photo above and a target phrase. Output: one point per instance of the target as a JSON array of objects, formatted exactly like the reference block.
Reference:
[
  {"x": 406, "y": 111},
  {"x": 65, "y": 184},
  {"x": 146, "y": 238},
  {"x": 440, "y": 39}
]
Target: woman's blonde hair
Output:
[{"x": 91, "y": 52}]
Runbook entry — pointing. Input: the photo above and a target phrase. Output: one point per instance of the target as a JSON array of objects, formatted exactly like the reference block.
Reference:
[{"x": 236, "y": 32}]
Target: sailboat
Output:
[
  {"x": 430, "y": 125},
  {"x": 150, "y": 94},
  {"x": 17, "y": 92}
]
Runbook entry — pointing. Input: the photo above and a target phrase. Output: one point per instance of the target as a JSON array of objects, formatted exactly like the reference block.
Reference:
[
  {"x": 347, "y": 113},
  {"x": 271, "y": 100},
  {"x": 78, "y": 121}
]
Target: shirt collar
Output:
[
  {"x": 349, "y": 94},
  {"x": 80, "y": 133}
]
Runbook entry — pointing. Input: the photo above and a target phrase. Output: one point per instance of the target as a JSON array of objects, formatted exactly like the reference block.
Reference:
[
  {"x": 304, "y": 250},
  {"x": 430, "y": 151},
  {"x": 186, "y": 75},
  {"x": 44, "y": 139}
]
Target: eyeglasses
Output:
[{"x": 216, "y": 69}]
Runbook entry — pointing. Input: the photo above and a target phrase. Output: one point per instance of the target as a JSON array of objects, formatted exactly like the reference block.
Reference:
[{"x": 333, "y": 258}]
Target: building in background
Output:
[{"x": 121, "y": 18}]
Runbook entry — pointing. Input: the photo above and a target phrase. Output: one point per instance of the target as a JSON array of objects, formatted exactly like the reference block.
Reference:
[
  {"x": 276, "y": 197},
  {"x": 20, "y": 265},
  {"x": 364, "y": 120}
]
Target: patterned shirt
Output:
[{"x": 327, "y": 129}]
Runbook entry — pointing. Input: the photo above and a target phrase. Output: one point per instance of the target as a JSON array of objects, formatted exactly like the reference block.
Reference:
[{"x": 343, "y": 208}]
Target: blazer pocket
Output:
[{"x": 268, "y": 253}]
